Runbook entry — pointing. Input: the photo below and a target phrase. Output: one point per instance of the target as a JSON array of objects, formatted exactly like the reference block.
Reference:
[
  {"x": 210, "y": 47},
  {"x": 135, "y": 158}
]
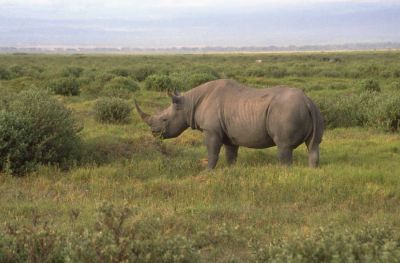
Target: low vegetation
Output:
[
  {"x": 36, "y": 129},
  {"x": 329, "y": 245},
  {"x": 120, "y": 87},
  {"x": 67, "y": 86},
  {"x": 94, "y": 185},
  {"x": 112, "y": 110},
  {"x": 158, "y": 82}
]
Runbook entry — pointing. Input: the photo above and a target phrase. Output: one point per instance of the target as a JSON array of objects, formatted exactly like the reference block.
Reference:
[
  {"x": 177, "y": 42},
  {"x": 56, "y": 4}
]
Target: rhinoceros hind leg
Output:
[
  {"x": 231, "y": 152},
  {"x": 313, "y": 155},
  {"x": 285, "y": 155}
]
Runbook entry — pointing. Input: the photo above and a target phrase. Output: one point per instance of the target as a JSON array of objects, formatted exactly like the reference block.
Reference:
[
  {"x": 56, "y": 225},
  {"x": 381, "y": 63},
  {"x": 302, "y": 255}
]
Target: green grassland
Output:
[{"x": 129, "y": 182}]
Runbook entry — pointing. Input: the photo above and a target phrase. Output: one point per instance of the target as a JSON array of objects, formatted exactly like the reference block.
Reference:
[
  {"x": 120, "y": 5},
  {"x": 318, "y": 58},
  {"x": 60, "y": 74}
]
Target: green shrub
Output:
[
  {"x": 114, "y": 241},
  {"x": 38, "y": 243},
  {"x": 266, "y": 71},
  {"x": 17, "y": 71},
  {"x": 276, "y": 72},
  {"x": 110, "y": 240},
  {"x": 122, "y": 72},
  {"x": 371, "y": 70},
  {"x": 105, "y": 77},
  {"x": 255, "y": 71},
  {"x": 385, "y": 112},
  {"x": 4, "y": 73},
  {"x": 74, "y": 72},
  {"x": 395, "y": 85},
  {"x": 6, "y": 96},
  {"x": 206, "y": 70},
  {"x": 143, "y": 72},
  {"x": 186, "y": 80},
  {"x": 36, "y": 129},
  {"x": 180, "y": 81},
  {"x": 197, "y": 79},
  {"x": 112, "y": 110},
  {"x": 158, "y": 82},
  {"x": 370, "y": 85},
  {"x": 379, "y": 110},
  {"x": 396, "y": 73},
  {"x": 14, "y": 145},
  {"x": 65, "y": 86},
  {"x": 331, "y": 73},
  {"x": 343, "y": 111},
  {"x": 35, "y": 72},
  {"x": 120, "y": 87},
  {"x": 332, "y": 245}
]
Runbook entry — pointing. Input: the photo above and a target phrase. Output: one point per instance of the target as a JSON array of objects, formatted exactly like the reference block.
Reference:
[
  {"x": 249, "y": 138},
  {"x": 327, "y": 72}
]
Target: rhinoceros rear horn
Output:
[
  {"x": 145, "y": 117},
  {"x": 176, "y": 97}
]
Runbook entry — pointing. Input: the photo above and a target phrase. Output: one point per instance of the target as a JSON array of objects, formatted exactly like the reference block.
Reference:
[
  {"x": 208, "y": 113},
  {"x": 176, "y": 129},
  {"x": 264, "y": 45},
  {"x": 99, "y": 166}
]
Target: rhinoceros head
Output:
[{"x": 170, "y": 122}]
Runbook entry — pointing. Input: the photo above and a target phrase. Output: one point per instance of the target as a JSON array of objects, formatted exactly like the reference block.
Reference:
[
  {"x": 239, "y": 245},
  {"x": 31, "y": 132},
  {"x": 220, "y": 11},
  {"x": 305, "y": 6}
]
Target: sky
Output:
[{"x": 177, "y": 23}]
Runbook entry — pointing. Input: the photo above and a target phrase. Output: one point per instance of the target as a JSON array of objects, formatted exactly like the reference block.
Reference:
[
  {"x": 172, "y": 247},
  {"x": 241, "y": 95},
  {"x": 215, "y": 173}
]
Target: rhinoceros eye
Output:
[{"x": 164, "y": 119}]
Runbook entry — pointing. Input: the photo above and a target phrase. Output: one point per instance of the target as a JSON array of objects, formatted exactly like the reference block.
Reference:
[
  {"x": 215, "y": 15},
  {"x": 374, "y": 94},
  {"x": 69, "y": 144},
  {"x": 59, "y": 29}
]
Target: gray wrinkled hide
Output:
[{"x": 232, "y": 115}]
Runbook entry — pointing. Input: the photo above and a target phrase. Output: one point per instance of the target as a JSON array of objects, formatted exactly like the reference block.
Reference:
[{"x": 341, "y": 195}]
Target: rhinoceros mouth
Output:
[{"x": 157, "y": 134}]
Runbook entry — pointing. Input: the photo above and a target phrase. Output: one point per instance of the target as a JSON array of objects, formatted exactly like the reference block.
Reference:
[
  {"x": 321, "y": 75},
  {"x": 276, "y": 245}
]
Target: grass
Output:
[
  {"x": 227, "y": 211},
  {"x": 356, "y": 185}
]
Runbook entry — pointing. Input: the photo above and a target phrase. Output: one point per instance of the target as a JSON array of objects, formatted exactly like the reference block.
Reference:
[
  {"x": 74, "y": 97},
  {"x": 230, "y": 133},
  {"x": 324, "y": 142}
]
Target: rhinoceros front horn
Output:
[{"x": 145, "y": 117}]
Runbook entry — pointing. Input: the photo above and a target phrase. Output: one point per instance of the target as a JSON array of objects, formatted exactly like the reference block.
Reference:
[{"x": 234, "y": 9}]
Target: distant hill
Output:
[
  {"x": 224, "y": 27},
  {"x": 291, "y": 48}
]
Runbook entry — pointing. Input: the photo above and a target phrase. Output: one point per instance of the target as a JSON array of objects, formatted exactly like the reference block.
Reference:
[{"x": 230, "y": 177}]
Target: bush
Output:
[
  {"x": 329, "y": 245},
  {"x": 112, "y": 110},
  {"x": 110, "y": 240},
  {"x": 379, "y": 110},
  {"x": 158, "y": 82},
  {"x": 105, "y": 77},
  {"x": 122, "y": 72},
  {"x": 14, "y": 145},
  {"x": 395, "y": 85},
  {"x": 385, "y": 112},
  {"x": 207, "y": 70},
  {"x": 120, "y": 87},
  {"x": 65, "y": 86},
  {"x": 113, "y": 241},
  {"x": 74, "y": 72},
  {"x": 370, "y": 85},
  {"x": 36, "y": 129},
  {"x": 142, "y": 73},
  {"x": 343, "y": 111},
  {"x": 255, "y": 71},
  {"x": 268, "y": 71},
  {"x": 17, "y": 71},
  {"x": 4, "y": 74},
  {"x": 396, "y": 73},
  {"x": 185, "y": 80},
  {"x": 200, "y": 78}
]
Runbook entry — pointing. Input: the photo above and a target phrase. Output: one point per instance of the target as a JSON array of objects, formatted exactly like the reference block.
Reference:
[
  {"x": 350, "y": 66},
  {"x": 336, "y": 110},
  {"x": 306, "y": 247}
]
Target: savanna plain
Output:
[{"x": 122, "y": 195}]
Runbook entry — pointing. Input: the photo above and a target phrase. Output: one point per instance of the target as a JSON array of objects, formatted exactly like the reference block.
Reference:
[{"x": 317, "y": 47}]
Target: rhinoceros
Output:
[{"x": 231, "y": 115}]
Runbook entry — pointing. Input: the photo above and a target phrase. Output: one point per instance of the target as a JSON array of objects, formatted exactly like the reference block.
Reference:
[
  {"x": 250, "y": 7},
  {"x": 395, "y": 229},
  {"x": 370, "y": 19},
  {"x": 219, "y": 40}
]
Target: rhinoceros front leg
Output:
[
  {"x": 213, "y": 143},
  {"x": 231, "y": 152}
]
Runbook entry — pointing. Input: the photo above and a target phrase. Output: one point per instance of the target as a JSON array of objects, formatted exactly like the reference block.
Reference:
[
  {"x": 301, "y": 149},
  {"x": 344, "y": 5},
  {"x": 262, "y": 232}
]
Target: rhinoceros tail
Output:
[{"x": 315, "y": 137}]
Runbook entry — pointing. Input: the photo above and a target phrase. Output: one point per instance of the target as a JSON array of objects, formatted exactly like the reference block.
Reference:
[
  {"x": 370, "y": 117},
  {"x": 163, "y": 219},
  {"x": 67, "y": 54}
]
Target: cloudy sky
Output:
[{"x": 167, "y": 23}]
